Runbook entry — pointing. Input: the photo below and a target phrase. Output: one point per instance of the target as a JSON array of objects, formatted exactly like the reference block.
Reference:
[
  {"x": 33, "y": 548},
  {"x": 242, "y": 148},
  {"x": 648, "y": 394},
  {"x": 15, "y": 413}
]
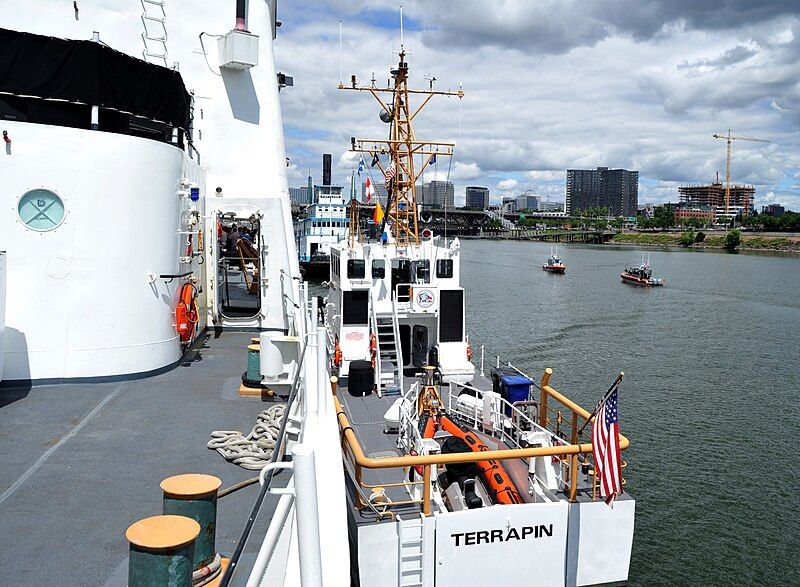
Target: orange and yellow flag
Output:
[{"x": 377, "y": 216}]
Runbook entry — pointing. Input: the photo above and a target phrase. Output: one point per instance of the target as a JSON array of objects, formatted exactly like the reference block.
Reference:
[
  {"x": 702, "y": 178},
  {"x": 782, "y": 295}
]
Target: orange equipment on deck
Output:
[{"x": 500, "y": 484}]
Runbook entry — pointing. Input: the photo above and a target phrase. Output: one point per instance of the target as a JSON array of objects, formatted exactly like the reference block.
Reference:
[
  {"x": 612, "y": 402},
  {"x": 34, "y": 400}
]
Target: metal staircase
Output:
[
  {"x": 154, "y": 32},
  {"x": 388, "y": 354},
  {"x": 411, "y": 555}
]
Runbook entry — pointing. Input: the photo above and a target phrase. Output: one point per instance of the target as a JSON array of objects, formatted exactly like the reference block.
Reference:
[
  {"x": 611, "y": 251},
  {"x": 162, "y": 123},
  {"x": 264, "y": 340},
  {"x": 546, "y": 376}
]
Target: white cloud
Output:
[
  {"x": 635, "y": 89},
  {"x": 549, "y": 175}
]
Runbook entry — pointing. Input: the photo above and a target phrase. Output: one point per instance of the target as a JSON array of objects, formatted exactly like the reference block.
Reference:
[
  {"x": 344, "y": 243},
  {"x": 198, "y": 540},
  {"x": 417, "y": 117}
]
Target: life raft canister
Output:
[{"x": 186, "y": 314}]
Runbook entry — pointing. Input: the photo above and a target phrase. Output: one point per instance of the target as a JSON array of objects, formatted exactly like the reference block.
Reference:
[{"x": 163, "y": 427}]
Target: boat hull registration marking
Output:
[{"x": 530, "y": 539}]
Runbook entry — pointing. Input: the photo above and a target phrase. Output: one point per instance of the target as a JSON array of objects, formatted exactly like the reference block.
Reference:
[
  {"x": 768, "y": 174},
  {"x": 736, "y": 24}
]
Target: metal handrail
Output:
[
  {"x": 571, "y": 451},
  {"x": 237, "y": 553},
  {"x": 398, "y": 348},
  {"x": 373, "y": 319}
]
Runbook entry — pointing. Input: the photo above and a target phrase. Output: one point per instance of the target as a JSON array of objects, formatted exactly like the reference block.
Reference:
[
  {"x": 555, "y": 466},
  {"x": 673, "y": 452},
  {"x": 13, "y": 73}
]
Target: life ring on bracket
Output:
[{"x": 187, "y": 314}]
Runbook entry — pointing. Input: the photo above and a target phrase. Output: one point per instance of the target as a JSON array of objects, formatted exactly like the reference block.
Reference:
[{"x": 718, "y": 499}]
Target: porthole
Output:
[{"x": 41, "y": 210}]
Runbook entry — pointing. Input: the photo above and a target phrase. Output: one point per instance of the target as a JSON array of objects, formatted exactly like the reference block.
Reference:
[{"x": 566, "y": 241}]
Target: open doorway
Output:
[{"x": 239, "y": 265}]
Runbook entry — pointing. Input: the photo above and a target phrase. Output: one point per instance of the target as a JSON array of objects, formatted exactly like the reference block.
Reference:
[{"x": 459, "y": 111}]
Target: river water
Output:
[{"x": 709, "y": 400}]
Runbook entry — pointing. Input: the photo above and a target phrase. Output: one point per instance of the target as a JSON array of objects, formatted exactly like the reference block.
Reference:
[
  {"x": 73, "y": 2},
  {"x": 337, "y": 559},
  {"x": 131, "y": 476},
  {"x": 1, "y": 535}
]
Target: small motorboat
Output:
[
  {"x": 642, "y": 275},
  {"x": 554, "y": 264}
]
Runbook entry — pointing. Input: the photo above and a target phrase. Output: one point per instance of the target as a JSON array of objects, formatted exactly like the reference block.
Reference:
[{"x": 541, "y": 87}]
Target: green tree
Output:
[
  {"x": 493, "y": 224},
  {"x": 664, "y": 217},
  {"x": 687, "y": 238},
  {"x": 732, "y": 239},
  {"x": 700, "y": 237}
]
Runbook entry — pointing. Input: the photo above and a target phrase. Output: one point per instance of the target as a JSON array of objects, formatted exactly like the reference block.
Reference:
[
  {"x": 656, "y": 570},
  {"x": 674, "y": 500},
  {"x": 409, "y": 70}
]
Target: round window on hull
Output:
[{"x": 41, "y": 210}]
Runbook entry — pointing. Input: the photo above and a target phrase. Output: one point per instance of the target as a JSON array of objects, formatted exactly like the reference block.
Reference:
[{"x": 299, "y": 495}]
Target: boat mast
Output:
[
  {"x": 401, "y": 146},
  {"x": 354, "y": 229}
]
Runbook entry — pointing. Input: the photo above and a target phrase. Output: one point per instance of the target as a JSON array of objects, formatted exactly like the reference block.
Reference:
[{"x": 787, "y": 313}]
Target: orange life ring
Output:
[
  {"x": 469, "y": 351},
  {"x": 337, "y": 353},
  {"x": 186, "y": 313}
]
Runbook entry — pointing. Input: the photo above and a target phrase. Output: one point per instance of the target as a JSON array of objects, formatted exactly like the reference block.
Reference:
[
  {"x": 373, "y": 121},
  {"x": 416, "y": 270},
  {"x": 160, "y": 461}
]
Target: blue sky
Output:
[{"x": 552, "y": 85}]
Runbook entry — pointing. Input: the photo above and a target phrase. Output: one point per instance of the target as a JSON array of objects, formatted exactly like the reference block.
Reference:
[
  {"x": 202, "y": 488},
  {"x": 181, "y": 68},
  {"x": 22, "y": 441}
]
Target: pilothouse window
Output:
[
  {"x": 444, "y": 268},
  {"x": 356, "y": 269},
  {"x": 378, "y": 269},
  {"x": 422, "y": 270}
]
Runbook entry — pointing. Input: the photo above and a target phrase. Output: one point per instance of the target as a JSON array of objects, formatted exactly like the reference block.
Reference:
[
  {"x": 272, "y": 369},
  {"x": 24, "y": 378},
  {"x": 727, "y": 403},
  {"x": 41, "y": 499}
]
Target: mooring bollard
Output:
[
  {"x": 195, "y": 496},
  {"x": 254, "y": 364},
  {"x": 161, "y": 551}
]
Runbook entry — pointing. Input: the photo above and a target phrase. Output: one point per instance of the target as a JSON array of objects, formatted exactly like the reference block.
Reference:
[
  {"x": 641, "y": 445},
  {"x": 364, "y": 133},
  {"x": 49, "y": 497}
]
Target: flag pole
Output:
[{"x": 608, "y": 393}]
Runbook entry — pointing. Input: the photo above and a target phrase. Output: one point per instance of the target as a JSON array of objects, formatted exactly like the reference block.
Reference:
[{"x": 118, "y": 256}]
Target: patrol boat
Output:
[
  {"x": 453, "y": 475},
  {"x": 642, "y": 275},
  {"x": 554, "y": 264}
]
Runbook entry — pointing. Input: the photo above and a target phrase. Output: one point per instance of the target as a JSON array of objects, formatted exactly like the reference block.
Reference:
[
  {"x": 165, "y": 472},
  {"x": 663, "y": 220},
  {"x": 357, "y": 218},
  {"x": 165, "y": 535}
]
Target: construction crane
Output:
[{"x": 729, "y": 138}]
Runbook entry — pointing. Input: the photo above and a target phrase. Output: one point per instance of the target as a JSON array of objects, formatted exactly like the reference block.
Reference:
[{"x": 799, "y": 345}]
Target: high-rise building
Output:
[
  {"x": 773, "y": 210},
  {"x": 380, "y": 193},
  {"x": 528, "y": 202},
  {"x": 442, "y": 193},
  {"x": 299, "y": 196},
  {"x": 615, "y": 189},
  {"x": 477, "y": 198},
  {"x": 551, "y": 207},
  {"x": 713, "y": 196}
]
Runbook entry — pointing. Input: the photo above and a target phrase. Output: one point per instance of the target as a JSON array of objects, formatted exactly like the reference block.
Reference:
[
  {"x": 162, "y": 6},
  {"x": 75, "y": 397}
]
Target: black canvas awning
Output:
[{"x": 91, "y": 73}]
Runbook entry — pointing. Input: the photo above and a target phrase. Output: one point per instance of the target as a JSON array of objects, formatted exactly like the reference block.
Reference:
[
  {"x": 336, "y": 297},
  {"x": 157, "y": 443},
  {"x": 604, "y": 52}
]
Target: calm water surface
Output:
[{"x": 709, "y": 400}]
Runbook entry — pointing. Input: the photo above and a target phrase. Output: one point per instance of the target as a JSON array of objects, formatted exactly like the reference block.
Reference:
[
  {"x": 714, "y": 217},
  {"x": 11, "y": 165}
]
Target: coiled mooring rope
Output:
[{"x": 253, "y": 451}]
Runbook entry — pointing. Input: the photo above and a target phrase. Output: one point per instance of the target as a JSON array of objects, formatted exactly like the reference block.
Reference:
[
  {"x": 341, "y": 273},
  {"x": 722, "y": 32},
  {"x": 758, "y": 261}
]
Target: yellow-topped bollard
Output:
[
  {"x": 194, "y": 495},
  {"x": 161, "y": 551}
]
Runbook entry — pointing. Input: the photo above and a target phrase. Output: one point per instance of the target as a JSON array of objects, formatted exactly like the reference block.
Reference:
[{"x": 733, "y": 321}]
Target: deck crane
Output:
[{"x": 730, "y": 138}]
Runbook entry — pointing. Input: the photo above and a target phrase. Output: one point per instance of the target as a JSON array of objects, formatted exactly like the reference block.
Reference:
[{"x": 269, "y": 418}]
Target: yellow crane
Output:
[{"x": 730, "y": 138}]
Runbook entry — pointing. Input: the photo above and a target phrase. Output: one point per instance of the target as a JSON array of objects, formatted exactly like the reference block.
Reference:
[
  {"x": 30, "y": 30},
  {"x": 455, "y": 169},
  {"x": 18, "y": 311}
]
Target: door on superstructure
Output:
[
  {"x": 419, "y": 345},
  {"x": 238, "y": 261},
  {"x": 401, "y": 276}
]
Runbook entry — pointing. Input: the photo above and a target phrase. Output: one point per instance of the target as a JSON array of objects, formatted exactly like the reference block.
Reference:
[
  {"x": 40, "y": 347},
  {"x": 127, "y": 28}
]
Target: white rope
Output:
[{"x": 254, "y": 451}]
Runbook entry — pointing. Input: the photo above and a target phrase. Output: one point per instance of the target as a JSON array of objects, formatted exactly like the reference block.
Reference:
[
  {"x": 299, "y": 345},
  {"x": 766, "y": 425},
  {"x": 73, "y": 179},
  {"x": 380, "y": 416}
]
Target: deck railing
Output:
[{"x": 573, "y": 455}]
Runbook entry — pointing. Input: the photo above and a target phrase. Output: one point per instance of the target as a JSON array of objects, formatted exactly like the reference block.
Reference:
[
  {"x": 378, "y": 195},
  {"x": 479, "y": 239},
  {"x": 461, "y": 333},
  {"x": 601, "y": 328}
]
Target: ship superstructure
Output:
[
  {"x": 135, "y": 180},
  {"x": 453, "y": 478}
]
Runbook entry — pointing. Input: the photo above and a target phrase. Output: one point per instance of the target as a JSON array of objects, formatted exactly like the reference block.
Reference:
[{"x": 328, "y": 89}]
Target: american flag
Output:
[
  {"x": 390, "y": 172},
  {"x": 605, "y": 444}
]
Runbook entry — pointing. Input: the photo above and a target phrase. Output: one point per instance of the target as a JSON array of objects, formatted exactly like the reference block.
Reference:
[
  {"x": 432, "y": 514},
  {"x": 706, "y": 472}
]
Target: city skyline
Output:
[{"x": 662, "y": 79}]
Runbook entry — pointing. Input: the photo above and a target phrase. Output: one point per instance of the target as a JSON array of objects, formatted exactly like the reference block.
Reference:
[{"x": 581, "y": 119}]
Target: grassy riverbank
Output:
[{"x": 711, "y": 241}]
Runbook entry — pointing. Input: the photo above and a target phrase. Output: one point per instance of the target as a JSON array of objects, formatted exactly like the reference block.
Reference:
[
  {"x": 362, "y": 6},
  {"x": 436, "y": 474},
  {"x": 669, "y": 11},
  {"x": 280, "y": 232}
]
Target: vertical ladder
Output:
[
  {"x": 411, "y": 555},
  {"x": 154, "y": 32},
  {"x": 389, "y": 353}
]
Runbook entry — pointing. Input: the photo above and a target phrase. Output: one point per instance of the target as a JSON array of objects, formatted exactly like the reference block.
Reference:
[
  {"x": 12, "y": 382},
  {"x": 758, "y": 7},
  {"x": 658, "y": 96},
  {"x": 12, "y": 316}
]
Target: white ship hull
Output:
[{"x": 85, "y": 298}]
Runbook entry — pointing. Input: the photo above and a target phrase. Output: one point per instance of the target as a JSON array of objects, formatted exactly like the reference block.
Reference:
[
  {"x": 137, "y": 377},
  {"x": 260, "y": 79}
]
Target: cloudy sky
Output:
[{"x": 557, "y": 84}]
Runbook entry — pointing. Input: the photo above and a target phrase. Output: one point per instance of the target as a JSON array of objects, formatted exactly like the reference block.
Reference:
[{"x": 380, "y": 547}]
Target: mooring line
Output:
[{"x": 40, "y": 461}]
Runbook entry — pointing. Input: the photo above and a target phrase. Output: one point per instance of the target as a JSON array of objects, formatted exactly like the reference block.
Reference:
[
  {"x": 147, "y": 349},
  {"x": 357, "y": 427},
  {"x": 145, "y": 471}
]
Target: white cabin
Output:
[
  {"x": 409, "y": 299},
  {"x": 326, "y": 224}
]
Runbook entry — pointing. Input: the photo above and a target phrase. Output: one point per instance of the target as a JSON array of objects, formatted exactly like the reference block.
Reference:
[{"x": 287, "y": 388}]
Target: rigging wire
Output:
[{"x": 205, "y": 54}]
